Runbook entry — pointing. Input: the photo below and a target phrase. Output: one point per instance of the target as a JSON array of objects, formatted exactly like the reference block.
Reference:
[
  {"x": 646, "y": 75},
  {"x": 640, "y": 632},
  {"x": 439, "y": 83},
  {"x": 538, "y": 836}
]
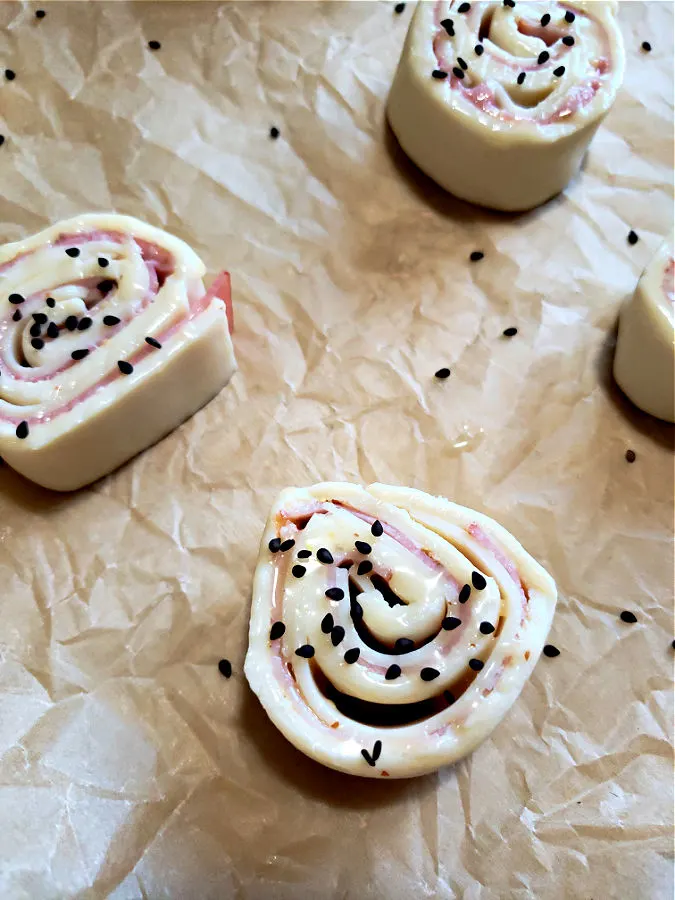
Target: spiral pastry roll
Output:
[
  {"x": 391, "y": 630},
  {"x": 644, "y": 363},
  {"x": 498, "y": 101},
  {"x": 108, "y": 341}
]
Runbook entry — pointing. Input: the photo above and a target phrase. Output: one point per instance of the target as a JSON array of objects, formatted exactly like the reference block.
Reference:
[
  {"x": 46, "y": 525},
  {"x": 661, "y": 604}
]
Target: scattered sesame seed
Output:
[
  {"x": 486, "y": 627},
  {"x": 111, "y": 320},
  {"x": 463, "y": 7},
  {"x": 632, "y": 237},
  {"x": 628, "y": 617},
  {"x": 458, "y": 73},
  {"x": 79, "y": 354},
  {"x": 462, "y": 63},
  {"x": 52, "y": 330},
  {"x": 673, "y": 645},
  {"x": 364, "y": 567},
  {"x": 22, "y": 430},
  {"x": 465, "y": 593},
  {"x": 225, "y": 668},
  {"x": 521, "y": 78},
  {"x": 376, "y": 528},
  {"x": 478, "y": 581},
  {"x": 646, "y": 46},
  {"x": 35, "y": 330},
  {"x": 335, "y": 593},
  {"x": 287, "y": 545},
  {"x": 568, "y": 40},
  {"x": 438, "y": 73},
  {"x": 40, "y": 318},
  {"x": 404, "y": 645},
  {"x": 153, "y": 342},
  {"x": 449, "y": 26},
  {"x": 84, "y": 323},
  {"x": 551, "y": 651},
  {"x": 304, "y": 554},
  {"x": 10, "y": 75},
  {"x": 324, "y": 556},
  {"x": 510, "y": 3},
  {"x": 559, "y": 72},
  {"x": 356, "y": 610},
  {"x": 125, "y": 367},
  {"x": 274, "y": 132},
  {"x": 428, "y": 674},
  {"x": 40, "y": 13},
  {"x": 392, "y": 672},
  {"x": 352, "y": 655},
  {"x": 476, "y": 256},
  {"x": 545, "y": 19},
  {"x": 569, "y": 17},
  {"x": 274, "y": 545},
  {"x": 17, "y": 315},
  {"x": 543, "y": 57},
  {"x": 106, "y": 285},
  {"x": 277, "y": 630},
  {"x": 71, "y": 323},
  {"x": 16, "y": 298},
  {"x": 2, "y": 139},
  {"x": 368, "y": 758},
  {"x": 631, "y": 456},
  {"x": 442, "y": 373},
  {"x": 103, "y": 262},
  {"x": 327, "y": 623},
  {"x": 398, "y": 9},
  {"x": 479, "y": 49},
  {"x": 51, "y": 302},
  {"x": 510, "y": 332},
  {"x": 363, "y": 547},
  {"x": 154, "y": 45},
  {"x": 72, "y": 252},
  {"x": 476, "y": 664},
  {"x": 449, "y": 623},
  {"x": 306, "y": 651},
  {"x": 337, "y": 635},
  {"x": 37, "y": 343},
  {"x": 298, "y": 571},
  {"x": 377, "y": 749},
  {"x": 450, "y": 697}
]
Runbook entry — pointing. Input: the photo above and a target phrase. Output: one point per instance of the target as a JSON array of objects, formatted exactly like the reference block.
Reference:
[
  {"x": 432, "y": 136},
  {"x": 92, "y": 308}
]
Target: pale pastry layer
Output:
[
  {"x": 391, "y": 630},
  {"x": 498, "y": 103},
  {"x": 108, "y": 341},
  {"x": 644, "y": 364}
]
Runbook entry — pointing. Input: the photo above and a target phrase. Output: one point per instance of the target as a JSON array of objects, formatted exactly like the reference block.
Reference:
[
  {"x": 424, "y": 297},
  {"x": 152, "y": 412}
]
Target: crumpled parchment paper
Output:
[{"x": 129, "y": 767}]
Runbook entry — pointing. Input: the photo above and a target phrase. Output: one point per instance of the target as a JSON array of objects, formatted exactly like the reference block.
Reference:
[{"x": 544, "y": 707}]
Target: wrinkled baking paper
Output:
[{"x": 129, "y": 767}]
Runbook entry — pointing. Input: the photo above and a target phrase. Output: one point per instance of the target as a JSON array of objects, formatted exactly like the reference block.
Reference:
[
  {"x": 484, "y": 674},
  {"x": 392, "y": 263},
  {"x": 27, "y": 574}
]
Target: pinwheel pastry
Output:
[
  {"x": 108, "y": 341},
  {"x": 644, "y": 364},
  {"x": 498, "y": 101},
  {"x": 391, "y": 630}
]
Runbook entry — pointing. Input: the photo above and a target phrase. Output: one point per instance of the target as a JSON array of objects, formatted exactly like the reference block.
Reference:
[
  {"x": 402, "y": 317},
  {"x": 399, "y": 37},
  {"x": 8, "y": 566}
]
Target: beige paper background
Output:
[{"x": 129, "y": 767}]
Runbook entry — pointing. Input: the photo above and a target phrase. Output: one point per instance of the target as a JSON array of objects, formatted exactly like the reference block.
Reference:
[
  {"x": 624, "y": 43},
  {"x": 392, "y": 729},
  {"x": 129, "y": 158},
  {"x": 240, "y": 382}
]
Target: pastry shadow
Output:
[
  {"x": 318, "y": 782},
  {"x": 29, "y": 496},
  {"x": 660, "y": 432}
]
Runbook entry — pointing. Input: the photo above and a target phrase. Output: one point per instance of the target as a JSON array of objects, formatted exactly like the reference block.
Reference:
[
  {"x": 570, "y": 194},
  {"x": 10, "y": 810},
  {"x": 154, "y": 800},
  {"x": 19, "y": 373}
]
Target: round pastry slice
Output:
[
  {"x": 391, "y": 630},
  {"x": 497, "y": 102},
  {"x": 108, "y": 341},
  {"x": 644, "y": 363}
]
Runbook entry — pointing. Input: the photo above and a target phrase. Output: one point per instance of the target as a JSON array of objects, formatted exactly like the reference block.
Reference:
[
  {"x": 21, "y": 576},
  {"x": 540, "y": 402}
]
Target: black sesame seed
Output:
[
  {"x": 550, "y": 650},
  {"x": 442, "y": 373},
  {"x": 16, "y": 298},
  {"x": 449, "y": 623},
  {"x": 153, "y": 342},
  {"x": 17, "y": 315},
  {"x": 404, "y": 645},
  {"x": 569, "y": 17},
  {"x": 377, "y": 750},
  {"x": 368, "y": 758},
  {"x": 392, "y": 672},
  {"x": 22, "y": 430},
  {"x": 363, "y": 547},
  {"x": 631, "y": 456},
  {"x": 327, "y": 623},
  {"x": 568, "y": 40},
  {"x": 79, "y": 354},
  {"x": 545, "y": 19},
  {"x": 521, "y": 78},
  {"x": 457, "y": 72},
  {"x": 154, "y": 45},
  {"x": 277, "y": 630},
  {"x": 37, "y": 343},
  {"x": 476, "y": 664},
  {"x": 274, "y": 545},
  {"x": 478, "y": 581},
  {"x": 449, "y": 26},
  {"x": 449, "y": 697},
  {"x": 463, "y": 7},
  {"x": 337, "y": 635},
  {"x": 559, "y": 72},
  {"x": 335, "y": 593},
  {"x": 364, "y": 567},
  {"x": 486, "y": 627},
  {"x": 103, "y": 262},
  {"x": 462, "y": 64},
  {"x": 646, "y": 46},
  {"x": 111, "y": 320},
  {"x": 71, "y": 323},
  {"x": 428, "y": 674},
  {"x": 324, "y": 556},
  {"x": 35, "y": 330},
  {"x": 356, "y": 610},
  {"x": 476, "y": 256},
  {"x": 274, "y": 133},
  {"x": 40, "y": 318},
  {"x": 479, "y": 49},
  {"x": 376, "y": 528},
  {"x": 286, "y": 545},
  {"x": 84, "y": 323},
  {"x": 298, "y": 571},
  {"x": 628, "y": 617},
  {"x": 510, "y": 332},
  {"x": 125, "y": 367},
  {"x": 543, "y": 57},
  {"x": 304, "y": 554},
  {"x": 632, "y": 237},
  {"x": 225, "y": 668},
  {"x": 398, "y": 9},
  {"x": 52, "y": 330},
  {"x": 306, "y": 651},
  {"x": 465, "y": 593},
  {"x": 40, "y": 13},
  {"x": 673, "y": 645},
  {"x": 106, "y": 285},
  {"x": 510, "y": 3},
  {"x": 73, "y": 251},
  {"x": 10, "y": 75},
  {"x": 352, "y": 655},
  {"x": 438, "y": 73},
  {"x": 51, "y": 302},
  {"x": 2, "y": 139}
]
